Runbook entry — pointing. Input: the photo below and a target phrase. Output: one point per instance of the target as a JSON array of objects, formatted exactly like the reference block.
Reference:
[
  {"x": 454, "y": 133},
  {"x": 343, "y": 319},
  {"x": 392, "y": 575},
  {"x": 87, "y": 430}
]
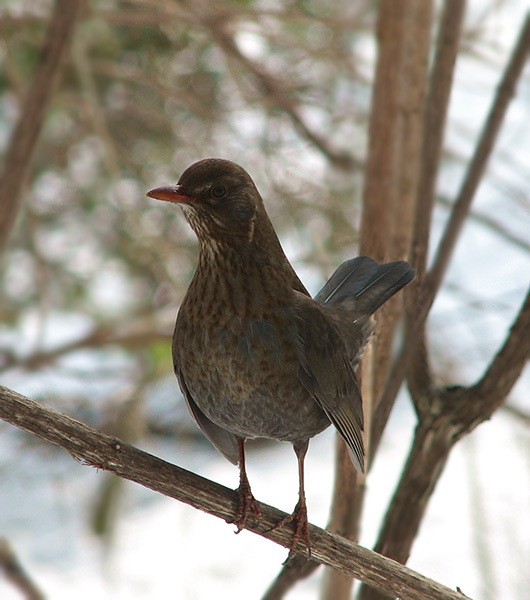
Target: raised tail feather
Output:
[{"x": 362, "y": 285}]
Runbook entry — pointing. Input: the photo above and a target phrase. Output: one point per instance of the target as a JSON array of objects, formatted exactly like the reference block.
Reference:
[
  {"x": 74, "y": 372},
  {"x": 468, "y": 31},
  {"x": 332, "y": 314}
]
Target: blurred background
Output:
[{"x": 93, "y": 274}]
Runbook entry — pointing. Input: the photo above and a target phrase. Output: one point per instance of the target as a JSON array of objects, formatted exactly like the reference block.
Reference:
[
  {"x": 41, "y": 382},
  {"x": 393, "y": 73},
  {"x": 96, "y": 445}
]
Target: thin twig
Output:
[
  {"x": 484, "y": 148},
  {"x": 295, "y": 570},
  {"x": 433, "y": 128},
  {"x": 502, "y": 373},
  {"x": 391, "y": 179},
  {"x": 81, "y": 61},
  {"x": 277, "y": 94},
  {"x": 440, "y": 85},
  {"x": 518, "y": 240}
]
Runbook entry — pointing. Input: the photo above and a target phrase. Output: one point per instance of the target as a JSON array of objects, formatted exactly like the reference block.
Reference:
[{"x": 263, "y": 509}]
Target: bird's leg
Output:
[
  {"x": 246, "y": 500},
  {"x": 299, "y": 515}
]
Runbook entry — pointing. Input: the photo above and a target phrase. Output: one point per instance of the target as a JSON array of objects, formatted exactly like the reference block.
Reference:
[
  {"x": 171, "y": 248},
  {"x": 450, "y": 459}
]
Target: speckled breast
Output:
[{"x": 244, "y": 377}]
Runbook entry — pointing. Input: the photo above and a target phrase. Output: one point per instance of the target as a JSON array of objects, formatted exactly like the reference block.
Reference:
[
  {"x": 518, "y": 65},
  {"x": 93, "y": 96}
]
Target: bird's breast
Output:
[
  {"x": 244, "y": 375},
  {"x": 237, "y": 354}
]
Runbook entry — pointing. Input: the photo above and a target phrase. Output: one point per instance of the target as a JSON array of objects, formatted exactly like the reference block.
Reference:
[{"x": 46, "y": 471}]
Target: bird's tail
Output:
[{"x": 361, "y": 285}]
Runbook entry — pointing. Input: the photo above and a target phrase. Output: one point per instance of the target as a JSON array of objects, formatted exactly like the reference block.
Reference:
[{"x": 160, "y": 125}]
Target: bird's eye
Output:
[{"x": 218, "y": 191}]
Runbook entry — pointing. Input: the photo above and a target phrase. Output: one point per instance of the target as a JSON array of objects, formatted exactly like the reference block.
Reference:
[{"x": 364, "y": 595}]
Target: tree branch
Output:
[
  {"x": 392, "y": 167},
  {"x": 518, "y": 240},
  {"x": 491, "y": 390},
  {"x": 435, "y": 114},
  {"x": 456, "y": 412},
  {"x": 295, "y": 570},
  {"x": 484, "y": 148},
  {"x": 33, "y": 112},
  {"x": 16, "y": 574},
  {"x": 105, "y": 452},
  {"x": 136, "y": 334},
  {"x": 440, "y": 85},
  {"x": 391, "y": 179},
  {"x": 429, "y": 289}
]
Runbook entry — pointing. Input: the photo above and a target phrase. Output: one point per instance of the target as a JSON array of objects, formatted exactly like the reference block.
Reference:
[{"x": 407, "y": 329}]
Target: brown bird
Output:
[{"x": 254, "y": 354}]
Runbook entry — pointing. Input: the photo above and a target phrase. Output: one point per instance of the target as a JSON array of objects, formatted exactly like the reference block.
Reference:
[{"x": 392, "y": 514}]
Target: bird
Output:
[{"x": 254, "y": 354}]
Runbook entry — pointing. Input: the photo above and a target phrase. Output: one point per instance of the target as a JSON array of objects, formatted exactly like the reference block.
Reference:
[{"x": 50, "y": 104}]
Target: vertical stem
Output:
[
  {"x": 425, "y": 463},
  {"x": 392, "y": 168},
  {"x": 435, "y": 113}
]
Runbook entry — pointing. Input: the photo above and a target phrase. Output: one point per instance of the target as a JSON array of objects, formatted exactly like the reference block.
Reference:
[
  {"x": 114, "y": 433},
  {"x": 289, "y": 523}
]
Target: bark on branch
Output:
[{"x": 102, "y": 451}]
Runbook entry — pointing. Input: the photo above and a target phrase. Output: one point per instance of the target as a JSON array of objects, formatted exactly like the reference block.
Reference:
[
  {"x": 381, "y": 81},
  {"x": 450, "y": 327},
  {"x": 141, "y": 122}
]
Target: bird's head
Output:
[{"x": 219, "y": 200}]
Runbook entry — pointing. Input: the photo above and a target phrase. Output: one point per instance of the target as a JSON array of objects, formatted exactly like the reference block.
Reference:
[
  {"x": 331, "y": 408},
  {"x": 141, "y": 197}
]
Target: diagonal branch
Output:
[
  {"x": 506, "y": 367},
  {"x": 513, "y": 238},
  {"x": 33, "y": 112},
  {"x": 105, "y": 452},
  {"x": 437, "y": 104},
  {"x": 15, "y": 573},
  {"x": 457, "y": 411},
  {"x": 494, "y": 120}
]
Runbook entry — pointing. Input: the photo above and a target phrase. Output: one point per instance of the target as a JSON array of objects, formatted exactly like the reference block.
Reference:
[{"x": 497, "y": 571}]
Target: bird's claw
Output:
[
  {"x": 301, "y": 531},
  {"x": 246, "y": 503}
]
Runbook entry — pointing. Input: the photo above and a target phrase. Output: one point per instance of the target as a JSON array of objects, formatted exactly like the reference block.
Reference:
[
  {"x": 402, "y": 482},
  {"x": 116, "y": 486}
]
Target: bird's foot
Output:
[
  {"x": 301, "y": 531},
  {"x": 245, "y": 504}
]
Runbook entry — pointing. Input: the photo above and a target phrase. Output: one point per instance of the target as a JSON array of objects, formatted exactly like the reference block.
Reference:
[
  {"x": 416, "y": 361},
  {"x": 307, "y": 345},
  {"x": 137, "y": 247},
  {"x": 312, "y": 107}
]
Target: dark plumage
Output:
[{"x": 254, "y": 354}]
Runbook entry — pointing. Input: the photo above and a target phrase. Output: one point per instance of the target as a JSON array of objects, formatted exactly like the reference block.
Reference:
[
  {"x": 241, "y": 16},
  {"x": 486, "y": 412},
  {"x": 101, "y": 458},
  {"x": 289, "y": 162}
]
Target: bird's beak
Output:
[{"x": 169, "y": 193}]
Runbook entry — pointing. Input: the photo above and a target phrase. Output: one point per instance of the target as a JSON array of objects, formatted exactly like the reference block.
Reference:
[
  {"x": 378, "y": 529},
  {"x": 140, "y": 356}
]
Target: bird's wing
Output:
[
  {"x": 224, "y": 441},
  {"x": 326, "y": 372}
]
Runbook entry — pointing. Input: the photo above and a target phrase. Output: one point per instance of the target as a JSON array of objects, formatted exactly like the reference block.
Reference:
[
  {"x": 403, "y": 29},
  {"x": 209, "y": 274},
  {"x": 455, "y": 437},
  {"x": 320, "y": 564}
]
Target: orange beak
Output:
[{"x": 169, "y": 193}]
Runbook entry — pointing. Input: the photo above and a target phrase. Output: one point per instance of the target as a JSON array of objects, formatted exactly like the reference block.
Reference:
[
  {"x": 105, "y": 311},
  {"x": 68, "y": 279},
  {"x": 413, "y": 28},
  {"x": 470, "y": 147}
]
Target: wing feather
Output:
[{"x": 326, "y": 372}]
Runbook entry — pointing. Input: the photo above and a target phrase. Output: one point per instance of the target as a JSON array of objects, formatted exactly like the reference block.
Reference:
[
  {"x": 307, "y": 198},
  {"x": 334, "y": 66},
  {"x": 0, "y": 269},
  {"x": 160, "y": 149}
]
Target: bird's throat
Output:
[{"x": 238, "y": 283}]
